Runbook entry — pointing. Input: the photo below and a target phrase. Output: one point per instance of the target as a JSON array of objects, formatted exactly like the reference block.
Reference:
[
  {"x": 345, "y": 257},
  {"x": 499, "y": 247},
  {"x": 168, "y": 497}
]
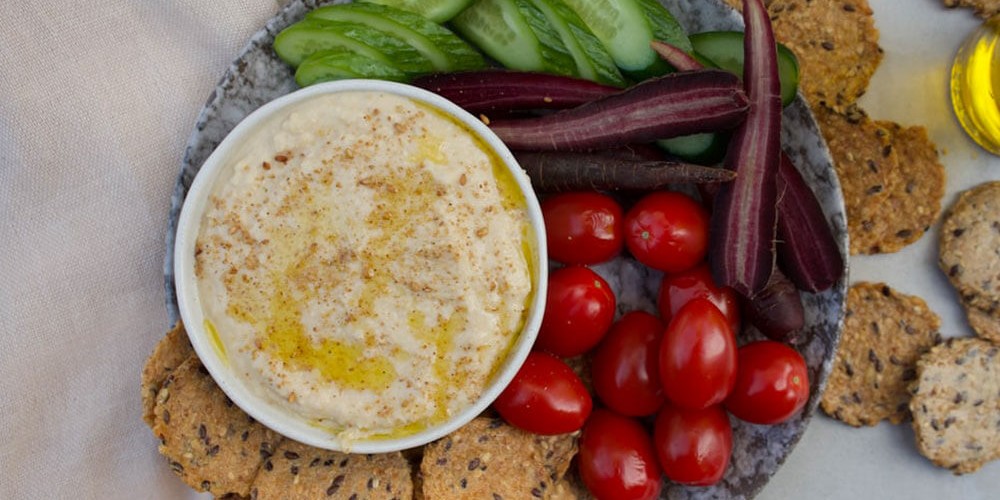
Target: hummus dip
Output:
[{"x": 366, "y": 263}]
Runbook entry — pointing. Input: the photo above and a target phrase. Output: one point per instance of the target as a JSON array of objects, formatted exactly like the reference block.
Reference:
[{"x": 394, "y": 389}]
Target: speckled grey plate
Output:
[{"x": 258, "y": 76}]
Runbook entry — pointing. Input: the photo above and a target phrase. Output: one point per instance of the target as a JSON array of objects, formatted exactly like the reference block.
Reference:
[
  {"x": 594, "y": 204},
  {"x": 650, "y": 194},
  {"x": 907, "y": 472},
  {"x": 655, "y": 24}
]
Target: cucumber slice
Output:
[
  {"x": 298, "y": 41},
  {"x": 665, "y": 28},
  {"x": 593, "y": 62},
  {"x": 515, "y": 34},
  {"x": 724, "y": 49},
  {"x": 704, "y": 149},
  {"x": 623, "y": 28},
  {"x": 438, "y": 11},
  {"x": 340, "y": 63},
  {"x": 396, "y": 50},
  {"x": 446, "y": 51}
]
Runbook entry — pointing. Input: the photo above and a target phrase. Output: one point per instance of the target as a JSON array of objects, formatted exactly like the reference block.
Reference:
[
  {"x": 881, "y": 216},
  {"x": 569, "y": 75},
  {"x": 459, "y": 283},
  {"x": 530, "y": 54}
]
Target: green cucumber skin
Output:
[
  {"x": 439, "y": 11},
  {"x": 338, "y": 64},
  {"x": 298, "y": 41},
  {"x": 724, "y": 49},
  {"x": 623, "y": 29},
  {"x": 442, "y": 47},
  {"x": 509, "y": 34},
  {"x": 703, "y": 149},
  {"x": 665, "y": 28},
  {"x": 593, "y": 61}
]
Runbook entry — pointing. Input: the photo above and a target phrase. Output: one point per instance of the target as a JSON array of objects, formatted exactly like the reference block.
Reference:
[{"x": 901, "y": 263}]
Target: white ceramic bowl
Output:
[{"x": 264, "y": 410}]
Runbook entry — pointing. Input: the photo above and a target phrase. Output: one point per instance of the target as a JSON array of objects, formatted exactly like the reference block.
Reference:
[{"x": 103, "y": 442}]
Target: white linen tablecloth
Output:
[{"x": 97, "y": 101}]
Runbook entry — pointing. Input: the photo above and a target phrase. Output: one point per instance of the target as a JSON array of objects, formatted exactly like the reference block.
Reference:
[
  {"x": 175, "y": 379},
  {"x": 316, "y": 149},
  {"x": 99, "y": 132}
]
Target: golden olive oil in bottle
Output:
[{"x": 975, "y": 85}]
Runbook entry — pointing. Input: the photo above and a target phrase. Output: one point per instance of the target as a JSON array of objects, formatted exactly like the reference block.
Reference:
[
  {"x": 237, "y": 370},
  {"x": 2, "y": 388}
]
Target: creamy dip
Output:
[{"x": 366, "y": 263}]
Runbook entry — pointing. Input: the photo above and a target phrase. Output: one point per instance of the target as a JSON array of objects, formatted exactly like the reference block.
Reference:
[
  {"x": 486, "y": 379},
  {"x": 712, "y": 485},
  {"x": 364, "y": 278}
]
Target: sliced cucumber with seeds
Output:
[
  {"x": 516, "y": 34},
  {"x": 724, "y": 49},
  {"x": 446, "y": 51},
  {"x": 340, "y": 63},
  {"x": 623, "y": 28},
  {"x": 438, "y": 11},
  {"x": 314, "y": 35},
  {"x": 593, "y": 62}
]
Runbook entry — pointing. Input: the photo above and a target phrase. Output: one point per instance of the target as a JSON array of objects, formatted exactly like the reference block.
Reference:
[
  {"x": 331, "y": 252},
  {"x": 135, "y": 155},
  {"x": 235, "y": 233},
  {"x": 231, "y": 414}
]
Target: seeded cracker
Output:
[
  {"x": 969, "y": 254},
  {"x": 835, "y": 42},
  {"x": 209, "y": 442},
  {"x": 299, "y": 471},
  {"x": 884, "y": 334},
  {"x": 489, "y": 459},
  {"x": 914, "y": 196},
  {"x": 956, "y": 404},
  {"x": 866, "y": 164},
  {"x": 168, "y": 354},
  {"x": 984, "y": 8}
]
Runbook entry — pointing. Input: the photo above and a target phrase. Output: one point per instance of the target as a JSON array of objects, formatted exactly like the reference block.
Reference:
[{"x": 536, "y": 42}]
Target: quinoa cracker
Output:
[
  {"x": 835, "y": 42},
  {"x": 210, "y": 443},
  {"x": 172, "y": 350},
  {"x": 488, "y": 458},
  {"x": 984, "y": 8},
  {"x": 866, "y": 164},
  {"x": 969, "y": 254},
  {"x": 956, "y": 404},
  {"x": 884, "y": 334},
  {"x": 914, "y": 195},
  {"x": 299, "y": 471}
]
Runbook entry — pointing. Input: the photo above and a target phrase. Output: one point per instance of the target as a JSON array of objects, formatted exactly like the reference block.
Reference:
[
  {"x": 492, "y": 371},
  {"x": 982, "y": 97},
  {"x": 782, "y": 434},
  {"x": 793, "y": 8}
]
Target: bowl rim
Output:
[{"x": 192, "y": 314}]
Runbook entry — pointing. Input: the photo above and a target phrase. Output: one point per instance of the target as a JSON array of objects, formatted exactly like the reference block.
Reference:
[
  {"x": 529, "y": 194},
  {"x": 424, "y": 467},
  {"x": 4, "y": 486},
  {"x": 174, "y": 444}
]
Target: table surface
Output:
[{"x": 91, "y": 132}]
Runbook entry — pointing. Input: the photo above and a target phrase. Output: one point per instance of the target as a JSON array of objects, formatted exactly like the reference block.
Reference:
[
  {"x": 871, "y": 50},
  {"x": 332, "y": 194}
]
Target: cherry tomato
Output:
[
  {"x": 624, "y": 369},
  {"x": 677, "y": 289},
  {"x": 693, "y": 446},
  {"x": 667, "y": 230},
  {"x": 578, "y": 311},
  {"x": 617, "y": 459},
  {"x": 698, "y": 356},
  {"x": 545, "y": 397},
  {"x": 772, "y": 383},
  {"x": 582, "y": 227}
]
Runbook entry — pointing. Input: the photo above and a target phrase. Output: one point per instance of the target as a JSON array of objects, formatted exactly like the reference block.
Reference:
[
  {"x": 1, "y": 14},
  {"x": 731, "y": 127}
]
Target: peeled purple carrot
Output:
[
  {"x": 554, "y": 172},
  {"x": 806, "y": 249},
  {"x": 744, "y": 217},
  {"x": 491, "y": 90},
  {"x": 668, "y": 106}
]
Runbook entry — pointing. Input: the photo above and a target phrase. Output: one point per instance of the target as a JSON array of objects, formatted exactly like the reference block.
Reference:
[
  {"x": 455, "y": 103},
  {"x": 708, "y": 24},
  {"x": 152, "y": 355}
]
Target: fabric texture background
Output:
[{"x": 97, "y": 101}]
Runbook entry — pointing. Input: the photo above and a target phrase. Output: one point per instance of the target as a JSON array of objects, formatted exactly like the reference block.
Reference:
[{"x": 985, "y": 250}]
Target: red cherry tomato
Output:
[
  {"x": 583, "y": 227},
  {"x": 545, "y": 397},
  {"x": 772, "y": 383},
  {"x": 693, "y": 446},
  {"x": 677, "y": 289},
  {"x": 667, "y": 230},
  {"x": 578, "y": 311},
  {"x": 698, "y": 356},
  {"x": 624, "y": 369},
  {"x": 617, "y": 459}
]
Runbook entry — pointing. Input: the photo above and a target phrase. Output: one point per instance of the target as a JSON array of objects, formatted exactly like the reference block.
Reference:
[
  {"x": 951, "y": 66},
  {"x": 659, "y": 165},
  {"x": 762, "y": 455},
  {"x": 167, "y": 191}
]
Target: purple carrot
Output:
[
  {"x": 675, "y": 56},
  {"x": 744, "y": 217},
  {"x": 776, "y": 311},
  {"x": 492, "y": 90},
  {"x": 558, "y": 171},
  {"x": 806, "y": 249},
  {"x": 667, "y": 106}
]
